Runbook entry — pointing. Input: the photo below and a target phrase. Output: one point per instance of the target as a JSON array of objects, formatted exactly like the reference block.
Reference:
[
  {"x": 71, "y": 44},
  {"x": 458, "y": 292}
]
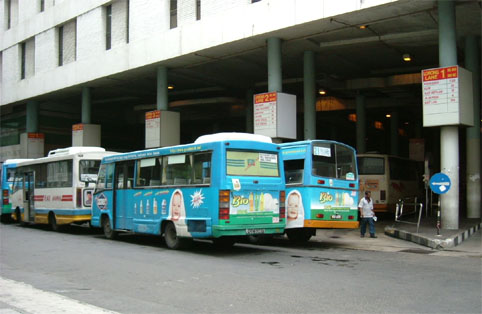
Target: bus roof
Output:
[
  {"x": 308, "y": 142},
  {"x": 75, "y": 150},
  {"x": 230, "y": 136},
  {"x": 14, "y": 161}
]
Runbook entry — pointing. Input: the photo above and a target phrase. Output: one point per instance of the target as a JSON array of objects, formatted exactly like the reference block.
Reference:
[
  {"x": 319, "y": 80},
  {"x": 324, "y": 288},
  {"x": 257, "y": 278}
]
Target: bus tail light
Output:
[
  {"x": 224, "y": 204},
  {"x": 383, "y": 195},
  {"x": 352, "y": 185},
  {"x": 282, "y": 209},
  {"x": 5, "y": 193},
  {"x": 351, "y": 217},
  {"x": 321, "y": 181},
  {"x": 320, "y": 215},
  {"x": 79, "y": 198},
  {"x": 5, "y": 201}
]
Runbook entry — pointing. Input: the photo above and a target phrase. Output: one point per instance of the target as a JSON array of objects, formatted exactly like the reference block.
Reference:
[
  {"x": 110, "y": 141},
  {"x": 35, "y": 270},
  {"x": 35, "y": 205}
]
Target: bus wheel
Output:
[
  {"x": 53, "y": 222},
  {"x": 224, "y": 242},
  {"x": 171, "y": 238},
  {"x": 298, "y": 235},
  {"x": 6, "y": 218},
  {"x": 109, "y": 233}
]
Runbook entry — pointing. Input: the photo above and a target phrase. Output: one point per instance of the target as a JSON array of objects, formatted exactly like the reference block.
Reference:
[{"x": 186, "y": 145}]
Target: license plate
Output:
[
  {"x": 335, "y": 216},
  {"x": 254, "y": 231}
]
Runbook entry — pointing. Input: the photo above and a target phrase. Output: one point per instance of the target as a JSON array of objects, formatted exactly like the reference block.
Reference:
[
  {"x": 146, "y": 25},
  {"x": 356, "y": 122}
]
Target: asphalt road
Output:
[{"x": 79, "y": 271}]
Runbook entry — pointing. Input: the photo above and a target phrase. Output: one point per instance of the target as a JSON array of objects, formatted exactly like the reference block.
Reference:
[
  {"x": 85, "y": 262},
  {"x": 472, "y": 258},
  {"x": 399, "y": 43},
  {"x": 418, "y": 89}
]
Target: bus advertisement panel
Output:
[
  {"x": 321, "y": 187},
  {"x": 217, "y": 188}
]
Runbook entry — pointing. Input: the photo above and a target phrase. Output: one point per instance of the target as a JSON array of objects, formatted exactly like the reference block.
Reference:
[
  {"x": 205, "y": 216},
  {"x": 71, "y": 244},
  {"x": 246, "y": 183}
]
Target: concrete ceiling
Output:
[{"x": 348, "y": 59}]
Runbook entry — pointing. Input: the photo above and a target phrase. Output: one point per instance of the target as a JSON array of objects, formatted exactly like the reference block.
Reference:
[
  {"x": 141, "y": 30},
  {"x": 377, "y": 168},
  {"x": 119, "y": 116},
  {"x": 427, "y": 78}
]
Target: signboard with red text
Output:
[
  {"x": 275, "y": 115},
  {"x": 447, "y": 96}
]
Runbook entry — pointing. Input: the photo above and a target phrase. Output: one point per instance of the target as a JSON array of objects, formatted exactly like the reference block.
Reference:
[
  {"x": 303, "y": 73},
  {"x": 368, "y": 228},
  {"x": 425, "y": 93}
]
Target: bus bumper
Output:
[
  {"x": 240, "y": 230},
  {"x": 320, "y": 224}
]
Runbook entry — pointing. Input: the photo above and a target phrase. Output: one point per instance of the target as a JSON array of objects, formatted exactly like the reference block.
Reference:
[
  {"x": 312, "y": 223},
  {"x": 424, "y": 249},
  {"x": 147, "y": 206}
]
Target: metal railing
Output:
[{"x": 408, "y": 206}]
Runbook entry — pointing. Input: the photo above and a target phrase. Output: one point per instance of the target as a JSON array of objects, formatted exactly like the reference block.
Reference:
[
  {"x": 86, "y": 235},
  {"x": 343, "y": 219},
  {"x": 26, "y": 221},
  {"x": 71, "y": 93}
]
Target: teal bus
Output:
[
  {"x": 321, "y": 187},
  {"x": 222, "y": 187},
  {"x": 7, "y": 175}
]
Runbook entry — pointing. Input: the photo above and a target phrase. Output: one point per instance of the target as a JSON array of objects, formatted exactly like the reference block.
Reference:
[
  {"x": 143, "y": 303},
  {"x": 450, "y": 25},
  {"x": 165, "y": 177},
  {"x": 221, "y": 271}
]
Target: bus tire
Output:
[
  {"x": 53, "y": 222},
  {"x": 109, "y": 233},
  {"x": 299, "y": 235},
  {"x": 172, "y": 240},
  {"x": 224, "y": 242},
  {"x": 6, "y": 218}
]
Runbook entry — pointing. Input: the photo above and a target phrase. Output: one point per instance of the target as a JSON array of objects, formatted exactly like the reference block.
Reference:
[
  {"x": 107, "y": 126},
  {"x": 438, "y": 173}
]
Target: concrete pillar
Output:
[
  {"x": 162, "y": 99},
  {"x": 249, "y": 111},
  {"x": 309, "y": 85},
  {"x": 86, "y": 105},
  {"x": 32, "y": 117},
  {"x": 32, "y": 142},
  {"x": 472, "y": 63},
  {"x": 394, "y": 133},
  {"x": 275, "y": 77},
  {"x": 449, "y": 135},
  {"x": 360, "y": 124}
]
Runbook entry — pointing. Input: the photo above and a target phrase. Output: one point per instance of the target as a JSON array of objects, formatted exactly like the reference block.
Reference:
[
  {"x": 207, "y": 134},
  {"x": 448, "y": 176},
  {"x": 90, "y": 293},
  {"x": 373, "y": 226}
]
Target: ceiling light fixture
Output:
[
  {"x": 170, "y": 87},
  {"x": 406, "y": 57},
  {"x": 322, "y": 91},
  {"x": 362, "y": 26},
  {"x": 388, "y": 115}
]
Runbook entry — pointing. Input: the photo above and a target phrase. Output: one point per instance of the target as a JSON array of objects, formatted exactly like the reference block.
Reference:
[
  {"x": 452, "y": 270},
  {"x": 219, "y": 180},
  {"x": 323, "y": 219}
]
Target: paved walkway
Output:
[
  {"x": 428, "y": 235},
  {"x": 402, "y": 237}
]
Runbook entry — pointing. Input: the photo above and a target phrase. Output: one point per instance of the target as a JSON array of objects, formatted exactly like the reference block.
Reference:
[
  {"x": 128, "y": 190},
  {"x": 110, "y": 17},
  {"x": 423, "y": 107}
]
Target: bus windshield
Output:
[
  {"x": 249, "y": 163},
  {"x": 333, "y": 161},
  {"x": 371, "y": 165}
]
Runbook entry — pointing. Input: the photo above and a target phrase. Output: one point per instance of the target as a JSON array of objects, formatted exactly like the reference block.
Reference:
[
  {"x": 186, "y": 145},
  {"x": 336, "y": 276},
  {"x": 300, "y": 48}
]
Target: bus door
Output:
[
  {"x": 28, "y": 196},
  {"x": 124, "y": 178}
]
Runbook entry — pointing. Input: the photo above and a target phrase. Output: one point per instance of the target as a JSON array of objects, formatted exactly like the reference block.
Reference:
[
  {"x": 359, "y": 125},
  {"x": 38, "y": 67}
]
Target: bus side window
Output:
[
  {"x": 202, "y": 168},
  {"x": 177, "y": 170}
]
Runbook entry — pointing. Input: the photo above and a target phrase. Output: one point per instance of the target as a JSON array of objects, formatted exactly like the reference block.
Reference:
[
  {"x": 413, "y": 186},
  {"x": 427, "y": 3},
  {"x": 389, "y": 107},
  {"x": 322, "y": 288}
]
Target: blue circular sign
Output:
[{"x": 440, "y": 183}]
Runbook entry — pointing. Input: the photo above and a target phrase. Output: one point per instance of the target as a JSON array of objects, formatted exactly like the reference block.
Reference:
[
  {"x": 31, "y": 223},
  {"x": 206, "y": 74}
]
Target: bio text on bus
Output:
[{"x": 222, "y": 187}]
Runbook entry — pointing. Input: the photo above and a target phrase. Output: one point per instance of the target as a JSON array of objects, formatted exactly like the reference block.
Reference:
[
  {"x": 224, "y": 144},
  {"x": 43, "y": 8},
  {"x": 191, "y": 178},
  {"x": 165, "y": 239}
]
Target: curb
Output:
[{"x": 434, "y": 243}]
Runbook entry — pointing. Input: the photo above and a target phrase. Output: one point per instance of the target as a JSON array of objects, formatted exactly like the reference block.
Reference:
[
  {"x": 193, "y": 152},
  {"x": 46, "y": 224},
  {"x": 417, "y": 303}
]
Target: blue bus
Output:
[
  {"x": 321, "y": 187},
  {"x": 222, "y": 187},
  {"x": 7, "y": 176}
]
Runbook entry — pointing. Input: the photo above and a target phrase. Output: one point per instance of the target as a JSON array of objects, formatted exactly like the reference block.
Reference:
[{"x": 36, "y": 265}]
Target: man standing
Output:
[{"x": 366, "y": 214}]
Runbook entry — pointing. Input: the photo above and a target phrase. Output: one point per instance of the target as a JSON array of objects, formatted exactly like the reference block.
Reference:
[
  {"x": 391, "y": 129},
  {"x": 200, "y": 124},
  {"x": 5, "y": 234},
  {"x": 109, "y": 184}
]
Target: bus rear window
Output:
[
  {"x": 371, "y": 165},
  {"x": 249, "y": 163}
]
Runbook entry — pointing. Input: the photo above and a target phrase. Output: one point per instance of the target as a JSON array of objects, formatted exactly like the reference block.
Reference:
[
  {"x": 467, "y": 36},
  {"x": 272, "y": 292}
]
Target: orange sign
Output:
[
  {"x": 36, "y": 135},
  {"x": 266, "y": 97},
  {"x": 440, "y": 73},
  {"x": 156, "y": 114},
  {"x": 77, "y": 127}
]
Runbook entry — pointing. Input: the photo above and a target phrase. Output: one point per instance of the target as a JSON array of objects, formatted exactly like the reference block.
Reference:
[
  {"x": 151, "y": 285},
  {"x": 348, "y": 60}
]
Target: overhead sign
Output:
[
  {"x": 447, "y": 97},
  {"x": 440, "y": 183},
  {"x": 275, "y": 115}
]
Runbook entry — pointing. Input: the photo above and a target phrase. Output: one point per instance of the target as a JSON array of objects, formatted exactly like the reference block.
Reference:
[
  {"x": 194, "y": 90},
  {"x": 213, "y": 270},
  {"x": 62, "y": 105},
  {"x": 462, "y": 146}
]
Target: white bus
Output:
[
  {"x": 389, "y": 178},
  {"x": 57, "y": 189}
]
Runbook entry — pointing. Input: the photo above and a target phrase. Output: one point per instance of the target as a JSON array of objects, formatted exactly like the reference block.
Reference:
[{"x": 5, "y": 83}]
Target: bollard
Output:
[{"x": 438, "y": 218}]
